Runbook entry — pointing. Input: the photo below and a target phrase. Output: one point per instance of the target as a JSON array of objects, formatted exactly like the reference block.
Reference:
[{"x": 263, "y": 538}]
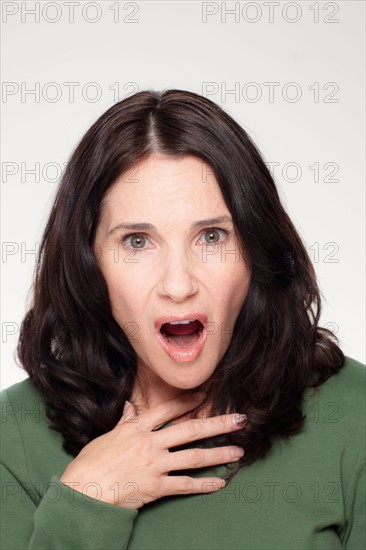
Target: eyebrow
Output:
[{"x": 150, "y": 227}]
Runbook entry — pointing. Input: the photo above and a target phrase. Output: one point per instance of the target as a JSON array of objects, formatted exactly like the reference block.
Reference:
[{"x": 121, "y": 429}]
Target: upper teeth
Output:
[{"x": 182, "y": 322}]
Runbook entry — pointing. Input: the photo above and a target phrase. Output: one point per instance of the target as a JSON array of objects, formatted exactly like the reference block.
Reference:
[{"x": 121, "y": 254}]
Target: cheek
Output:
[
  {"x": 230, "y": 279},
  {"x": 121, "y": 286},
  {"x": 232, "y": 297},
  {"x": 234, "y": 287}
]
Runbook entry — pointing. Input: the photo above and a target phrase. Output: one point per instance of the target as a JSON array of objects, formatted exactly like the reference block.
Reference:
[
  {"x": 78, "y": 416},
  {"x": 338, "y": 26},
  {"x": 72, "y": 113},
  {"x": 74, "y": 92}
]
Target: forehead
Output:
[{"x": 162, "y": 185}]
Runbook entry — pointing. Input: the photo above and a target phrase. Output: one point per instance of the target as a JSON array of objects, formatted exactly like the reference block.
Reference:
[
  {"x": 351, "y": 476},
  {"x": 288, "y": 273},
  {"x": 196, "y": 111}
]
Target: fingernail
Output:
[
  {"x": 238, "y": 452},
  {"x": 239, "y": 418}
]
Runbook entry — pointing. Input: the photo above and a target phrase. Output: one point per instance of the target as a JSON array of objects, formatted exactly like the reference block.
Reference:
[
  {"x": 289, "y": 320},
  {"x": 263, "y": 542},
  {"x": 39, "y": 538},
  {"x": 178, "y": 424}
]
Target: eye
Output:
[
  {"x": 137, "y": 238},
  {"x": 212, "y": 232}
]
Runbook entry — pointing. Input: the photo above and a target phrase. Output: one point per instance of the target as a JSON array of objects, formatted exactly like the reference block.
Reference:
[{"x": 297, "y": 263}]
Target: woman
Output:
[{"x": 168, "y": 266}]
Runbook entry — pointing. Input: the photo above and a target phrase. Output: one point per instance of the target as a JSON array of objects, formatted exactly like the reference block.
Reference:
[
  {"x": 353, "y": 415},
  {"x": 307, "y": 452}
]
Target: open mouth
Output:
[{"x": 182, "y": 334}]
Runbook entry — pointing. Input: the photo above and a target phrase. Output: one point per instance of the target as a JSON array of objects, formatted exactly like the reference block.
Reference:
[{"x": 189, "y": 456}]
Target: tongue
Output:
[
  {"x": 178, "y": 330},
  {"x": 181, "y": 335}
]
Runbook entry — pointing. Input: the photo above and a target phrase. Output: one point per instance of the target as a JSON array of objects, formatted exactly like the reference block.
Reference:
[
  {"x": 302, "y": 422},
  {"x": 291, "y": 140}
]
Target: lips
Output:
[{"x": 186, "y": 345}]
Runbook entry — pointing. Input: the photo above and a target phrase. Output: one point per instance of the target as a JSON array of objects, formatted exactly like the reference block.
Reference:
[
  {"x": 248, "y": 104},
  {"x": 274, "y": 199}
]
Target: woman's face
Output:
[{"x": 178, "y": 268}]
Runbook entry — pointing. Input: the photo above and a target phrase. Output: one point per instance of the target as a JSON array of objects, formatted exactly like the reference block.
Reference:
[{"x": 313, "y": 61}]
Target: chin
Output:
[{"x": 183, "y": 383}]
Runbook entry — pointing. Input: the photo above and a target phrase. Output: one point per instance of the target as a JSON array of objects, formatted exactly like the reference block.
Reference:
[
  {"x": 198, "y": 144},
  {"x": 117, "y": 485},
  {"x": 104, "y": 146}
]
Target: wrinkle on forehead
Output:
[{"x": 168, "y": 191}]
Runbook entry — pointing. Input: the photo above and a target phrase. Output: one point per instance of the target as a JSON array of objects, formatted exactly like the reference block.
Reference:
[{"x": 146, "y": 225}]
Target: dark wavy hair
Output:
[{"x": 81, "y": 360}]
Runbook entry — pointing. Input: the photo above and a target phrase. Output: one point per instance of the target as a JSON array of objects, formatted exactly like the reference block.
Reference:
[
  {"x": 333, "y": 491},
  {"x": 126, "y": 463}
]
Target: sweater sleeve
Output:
[
  {"x": 355, "y": 536},
  {"x": 65, "y": 519},
  {"x": 55, "y": 515}
]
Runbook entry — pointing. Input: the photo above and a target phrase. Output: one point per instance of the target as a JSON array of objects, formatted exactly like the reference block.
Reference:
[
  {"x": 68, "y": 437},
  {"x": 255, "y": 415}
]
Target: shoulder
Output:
[
  {"x": 336, "y": 413},
  {"x": 346, "y": 387},
  {"x": 342, "y": 396},
  {"x": 21, "y": 393},
  {"x": 340, "y": 408},
  {"x": 353, "y": 374},
  {"x": 16, "y": 401},
  {"x": 27, "y": 440},
  {"x": 21, "y": 403}
]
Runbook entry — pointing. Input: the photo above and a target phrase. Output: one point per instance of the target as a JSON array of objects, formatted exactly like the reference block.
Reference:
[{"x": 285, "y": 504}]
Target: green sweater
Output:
[{"x": 307, "y": 493}]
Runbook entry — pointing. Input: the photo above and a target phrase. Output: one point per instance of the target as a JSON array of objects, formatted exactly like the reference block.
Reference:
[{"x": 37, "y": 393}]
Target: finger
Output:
[
  {"x": 160, "y": 414},
  {"x": 199, "y": 458},
  {"x": 199, "y": 428},
  {"x": 183, "y": 485}
]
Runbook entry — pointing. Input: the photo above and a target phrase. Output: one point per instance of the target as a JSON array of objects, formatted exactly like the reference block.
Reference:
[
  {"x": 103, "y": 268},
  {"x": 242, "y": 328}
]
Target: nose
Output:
[{"x": 177, "y": 281}]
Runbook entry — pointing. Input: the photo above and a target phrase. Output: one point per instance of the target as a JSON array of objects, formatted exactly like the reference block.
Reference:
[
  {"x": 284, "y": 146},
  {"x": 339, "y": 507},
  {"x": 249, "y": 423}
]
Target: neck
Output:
[
  {"x": 150, "y": 391},
  {"x": 146, "y": 397}
]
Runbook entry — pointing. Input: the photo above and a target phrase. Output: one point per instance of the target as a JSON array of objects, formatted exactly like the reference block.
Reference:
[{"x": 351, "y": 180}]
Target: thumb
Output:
[{"x": 128, "y": 410}]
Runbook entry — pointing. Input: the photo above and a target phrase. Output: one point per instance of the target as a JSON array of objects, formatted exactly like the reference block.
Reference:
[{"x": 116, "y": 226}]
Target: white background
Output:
[{"x": 311, "y": 52}]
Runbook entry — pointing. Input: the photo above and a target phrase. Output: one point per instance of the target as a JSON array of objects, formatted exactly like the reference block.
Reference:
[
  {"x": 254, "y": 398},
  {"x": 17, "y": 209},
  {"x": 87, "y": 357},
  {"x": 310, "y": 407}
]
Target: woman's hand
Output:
[{"x": 130, "y": 463}]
